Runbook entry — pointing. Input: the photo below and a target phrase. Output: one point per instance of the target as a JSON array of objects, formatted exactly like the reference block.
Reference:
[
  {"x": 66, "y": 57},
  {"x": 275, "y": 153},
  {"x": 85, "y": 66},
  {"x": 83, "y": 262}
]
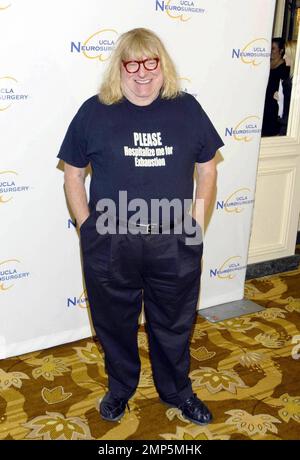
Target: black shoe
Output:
[
  {"x": 194, "y": 410},
  {"x": 112, "y": 408}
]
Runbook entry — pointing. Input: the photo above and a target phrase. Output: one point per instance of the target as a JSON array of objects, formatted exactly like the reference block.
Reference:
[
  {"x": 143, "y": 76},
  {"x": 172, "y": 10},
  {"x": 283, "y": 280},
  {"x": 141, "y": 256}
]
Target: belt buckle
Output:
[{"x": 149, "y": 227}]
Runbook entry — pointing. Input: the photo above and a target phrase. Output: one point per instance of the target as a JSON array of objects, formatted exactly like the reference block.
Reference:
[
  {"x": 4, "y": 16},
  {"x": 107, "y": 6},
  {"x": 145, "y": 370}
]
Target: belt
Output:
[
  {"x": 153, "y": 228},
  {"x": 149, "y": 228}
]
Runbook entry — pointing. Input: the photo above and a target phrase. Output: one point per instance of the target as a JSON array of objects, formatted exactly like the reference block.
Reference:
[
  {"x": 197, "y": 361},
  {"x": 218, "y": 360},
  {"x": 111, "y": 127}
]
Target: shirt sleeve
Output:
[
  {"x": 209, "y": 140},
  {"x": 74, "y": 147}
]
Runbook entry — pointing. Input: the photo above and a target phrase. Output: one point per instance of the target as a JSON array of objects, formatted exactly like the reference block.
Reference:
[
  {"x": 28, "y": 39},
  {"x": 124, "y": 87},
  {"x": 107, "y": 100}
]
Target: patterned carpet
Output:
[{"x": 246, "y": 370}]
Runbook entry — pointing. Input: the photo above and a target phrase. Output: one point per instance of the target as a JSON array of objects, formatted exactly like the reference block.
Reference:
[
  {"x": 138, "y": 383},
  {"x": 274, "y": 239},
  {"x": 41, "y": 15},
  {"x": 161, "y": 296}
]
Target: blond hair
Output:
[
  {"x": 137, "y": 43},
  {"x": 290, "y": 51}
]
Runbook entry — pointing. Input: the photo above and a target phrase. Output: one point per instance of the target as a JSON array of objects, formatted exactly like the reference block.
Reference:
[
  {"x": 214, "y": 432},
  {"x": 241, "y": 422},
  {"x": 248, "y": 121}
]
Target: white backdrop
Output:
[{"x": 52, "y": 56}]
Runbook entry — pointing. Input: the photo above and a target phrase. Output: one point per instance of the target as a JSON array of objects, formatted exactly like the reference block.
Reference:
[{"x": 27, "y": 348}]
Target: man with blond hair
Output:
[{"x": 142, "y": 137}]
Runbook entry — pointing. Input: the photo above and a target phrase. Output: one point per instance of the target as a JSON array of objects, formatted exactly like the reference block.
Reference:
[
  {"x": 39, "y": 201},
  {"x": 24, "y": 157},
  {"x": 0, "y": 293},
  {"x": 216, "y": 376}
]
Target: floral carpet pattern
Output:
[{"x": 246, "y": 369}]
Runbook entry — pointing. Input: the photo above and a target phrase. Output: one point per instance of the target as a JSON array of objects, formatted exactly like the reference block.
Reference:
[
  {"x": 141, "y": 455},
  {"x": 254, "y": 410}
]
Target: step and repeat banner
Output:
[{"x": 53, "y": 54}]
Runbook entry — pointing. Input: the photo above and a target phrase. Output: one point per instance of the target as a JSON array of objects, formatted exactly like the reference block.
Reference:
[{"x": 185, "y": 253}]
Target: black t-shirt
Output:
[
  {"x": 149, "y": 151},
  {"x": 279, "y": 73}
]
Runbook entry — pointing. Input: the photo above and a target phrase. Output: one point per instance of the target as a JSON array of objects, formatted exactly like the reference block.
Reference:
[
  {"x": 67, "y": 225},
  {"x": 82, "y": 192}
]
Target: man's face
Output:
[{"x": 143, "y": 86}]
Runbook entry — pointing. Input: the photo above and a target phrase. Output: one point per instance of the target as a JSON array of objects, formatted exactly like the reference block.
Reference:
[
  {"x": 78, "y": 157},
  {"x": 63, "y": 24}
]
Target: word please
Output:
[{"x": 147, "y": 139}]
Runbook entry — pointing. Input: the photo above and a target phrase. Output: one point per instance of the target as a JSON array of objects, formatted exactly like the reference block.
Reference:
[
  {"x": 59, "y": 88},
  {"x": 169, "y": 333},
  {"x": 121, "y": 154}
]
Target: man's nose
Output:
[{"x": 141, "y": 71}]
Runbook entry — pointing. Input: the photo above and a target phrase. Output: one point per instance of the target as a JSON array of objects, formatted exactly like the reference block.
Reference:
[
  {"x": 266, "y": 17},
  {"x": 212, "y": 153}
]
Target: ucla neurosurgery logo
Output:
[
  {"x": 181, "y": 10},
  {"x": 9, "y": 93},
  {"x": 253, "y": 52},
  {"x": 71, "y": 223},
  {"x": 98, "y": 46},
  {"x": 245, "y": 130},
  {"x": 10, "y": 186},
  {"x": 236, "y": 202},
  {"x": 80, "y": 301},
  {"x": 229, "y": 269},
  {"x": 9, "y": 273},
  {"x": 187, "y": 86}
]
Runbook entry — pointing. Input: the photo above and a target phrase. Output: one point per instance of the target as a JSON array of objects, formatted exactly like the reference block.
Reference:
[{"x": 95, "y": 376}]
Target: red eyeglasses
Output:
[{"x": 134, "y": 66}]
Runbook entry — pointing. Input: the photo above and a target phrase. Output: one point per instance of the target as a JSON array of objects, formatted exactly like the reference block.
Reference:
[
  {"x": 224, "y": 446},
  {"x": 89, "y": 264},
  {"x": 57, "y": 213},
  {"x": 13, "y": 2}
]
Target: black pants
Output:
[{"x": 122, "y": 270}]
